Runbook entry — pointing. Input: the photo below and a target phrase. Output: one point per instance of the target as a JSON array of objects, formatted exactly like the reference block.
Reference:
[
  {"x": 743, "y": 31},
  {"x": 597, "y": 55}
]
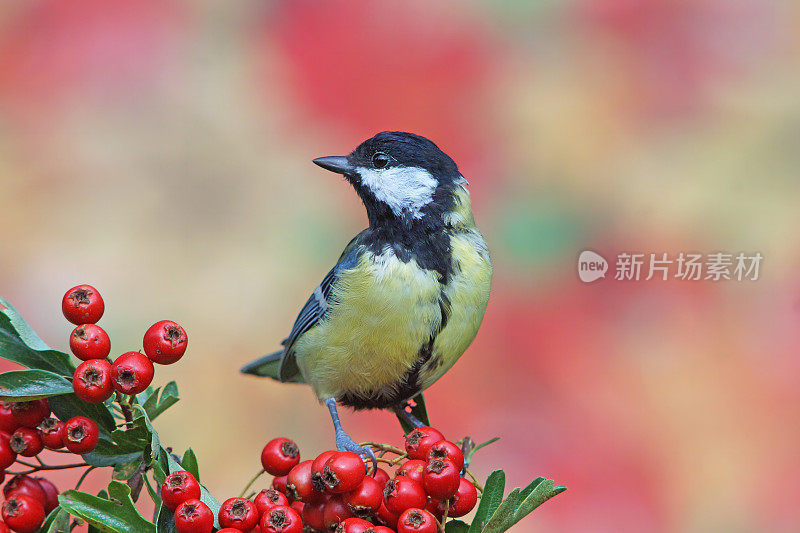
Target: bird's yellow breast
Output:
[{"x": 384, "y": 310}]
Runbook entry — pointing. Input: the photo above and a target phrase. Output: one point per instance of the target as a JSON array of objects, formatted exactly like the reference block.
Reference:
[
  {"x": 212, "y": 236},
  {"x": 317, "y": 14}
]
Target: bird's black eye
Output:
[{"x": 380, "y": 160}]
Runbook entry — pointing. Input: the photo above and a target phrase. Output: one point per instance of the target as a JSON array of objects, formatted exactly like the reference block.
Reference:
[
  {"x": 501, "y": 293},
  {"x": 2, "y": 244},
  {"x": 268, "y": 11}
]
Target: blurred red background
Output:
[{"x": 160, "y": 150}]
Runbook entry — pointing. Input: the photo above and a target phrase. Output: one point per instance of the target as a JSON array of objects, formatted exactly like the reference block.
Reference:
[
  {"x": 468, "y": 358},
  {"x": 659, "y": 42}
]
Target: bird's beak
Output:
[{"x": 337, "y": 164}]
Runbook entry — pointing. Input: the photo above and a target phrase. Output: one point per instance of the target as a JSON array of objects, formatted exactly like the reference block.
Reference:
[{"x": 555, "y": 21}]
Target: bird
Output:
[{"x": 407, "y": 295}]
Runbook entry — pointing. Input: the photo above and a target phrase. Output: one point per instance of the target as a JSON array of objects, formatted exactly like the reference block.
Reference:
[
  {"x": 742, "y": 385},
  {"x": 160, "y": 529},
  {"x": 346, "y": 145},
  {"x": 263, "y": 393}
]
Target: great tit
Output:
[{"x": 408, "y": 293}]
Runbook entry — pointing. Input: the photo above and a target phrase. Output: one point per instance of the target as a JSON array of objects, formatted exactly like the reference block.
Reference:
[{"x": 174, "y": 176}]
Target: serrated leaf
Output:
[
  {"x": 24, "y": 385},
  {"x": 189, "y": 463},
  {"x": 159, "y": 400},
  {"x": 20, "y": 344},
  {"x": 166, "y": 521},
  {"x": 490, "y": 499},
  {"x": 539, "y": 494},
  {"x": 503, "y": 517},
  {"x": 117, "y": 514},
  {"x": 124, "y": 471},
  {"x": 456, "y": 526},
  {"x": 68, "y": 405},
  {"x": 419, "y": 411}
]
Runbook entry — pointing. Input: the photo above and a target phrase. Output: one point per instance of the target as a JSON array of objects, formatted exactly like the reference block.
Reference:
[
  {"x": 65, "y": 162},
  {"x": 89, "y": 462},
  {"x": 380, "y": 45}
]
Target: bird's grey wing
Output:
[{"x": 282, "y": 365}]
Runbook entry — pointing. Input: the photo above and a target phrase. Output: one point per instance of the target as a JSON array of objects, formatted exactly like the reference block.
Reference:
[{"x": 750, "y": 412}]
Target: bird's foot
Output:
[{"x": 345, "y": 444}]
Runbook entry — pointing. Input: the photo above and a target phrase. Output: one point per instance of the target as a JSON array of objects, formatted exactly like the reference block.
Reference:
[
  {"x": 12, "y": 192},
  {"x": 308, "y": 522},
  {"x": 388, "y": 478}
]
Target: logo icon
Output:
[{"x": 591, "y": 266}]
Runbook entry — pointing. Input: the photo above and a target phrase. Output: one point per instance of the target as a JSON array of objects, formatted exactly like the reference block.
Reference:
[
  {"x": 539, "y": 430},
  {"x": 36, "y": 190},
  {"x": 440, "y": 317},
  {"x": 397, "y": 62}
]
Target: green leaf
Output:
[
  {"x": 115, "y": 515},
  {"x": 69, "y": 405},
  {"x": 456, "y": 526},
  {"x": 166, "y": 521},
  {"x": 159, "y": 401},
  {"x": 23, "y": 385},
  {"x": 536, "y": 496},
  {"x": 503, "y": 517},
  {"x": 125, "y": 471},
  {"x": 20, "y": 344},
  {"x": 56, "y": 522},
  {"x": 189, "y": 463},
  {"x": 418, "y": 411},
  {"x": 490, "y": 500}
]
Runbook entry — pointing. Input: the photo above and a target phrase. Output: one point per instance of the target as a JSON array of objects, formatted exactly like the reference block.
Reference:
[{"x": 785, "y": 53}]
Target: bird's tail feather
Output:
[{"x": 269, "y": 366}]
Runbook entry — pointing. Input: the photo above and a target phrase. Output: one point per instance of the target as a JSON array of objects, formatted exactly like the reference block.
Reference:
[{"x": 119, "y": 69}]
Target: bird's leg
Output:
[
  {"x": 343, "y": 440},
  {"x": 400, "y": 411}
]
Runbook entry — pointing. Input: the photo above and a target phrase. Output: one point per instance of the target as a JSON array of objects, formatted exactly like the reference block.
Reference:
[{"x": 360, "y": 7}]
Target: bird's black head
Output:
[{"x": 399, "y": 175}]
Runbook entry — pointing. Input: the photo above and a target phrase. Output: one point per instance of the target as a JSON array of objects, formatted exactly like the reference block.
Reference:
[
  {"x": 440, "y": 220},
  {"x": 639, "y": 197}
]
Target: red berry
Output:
[
  {"x": 381, "y": 477},
  {"x": 4, "y": 528},
  {"x": 298, "y": 506},
  {"x": 386, "y": 516},
  {"x": 335, "y": 511},
  {"x": 416, "y": 521},
  {"x": 239, "y": 513},
  {"x": 30, "y": 414},
  {"x": 165, "y": 342},
  {"x": 193, "y": 516},
  {"x": 353, "y": 525},
  {"x": 22, "y": 513},
  {"x": 420, "y": 440},
  {"x": 403, "y": 493},
  {"x": 7, "y": 421},
  {"x": 465, "y": 499},
  {"x": 343, "y": 472},
  {"x": 229, "y": 530},
  {"x": 281, "y": 519},
  {"x": 89, "y": 341},
  {"x": 26, "y": 486},
  {"x": 318, "y": 466},
  {"x": 92, "y": 381},
  {"x": 269, "y": 498},
  {"x": 51, "y": 493},
  {"x": 435, "y": 507},
  {"x": 444, "y": 449},
  {"x": 279, "y": 456},
  {"x": 82, "y": 305},
  {"x": 366, "y": 498},
  {"x": 52, "y": 431},
  {"x": 7, "y": 455},
  {"x": 132, "y": 373},
  {"x": 441, "y": 479},
  {"x": 313, "y": 515},
  {"x": 279, "y": 484},
  {"x": 81, "y": 435},
  {"x": 298, "y": 483},
  {"x": 26, "y": 442},
  {"x": 382, "y": 529},
  {"x": 412, "y": 469},
  {"x": 178, "y": 487}
]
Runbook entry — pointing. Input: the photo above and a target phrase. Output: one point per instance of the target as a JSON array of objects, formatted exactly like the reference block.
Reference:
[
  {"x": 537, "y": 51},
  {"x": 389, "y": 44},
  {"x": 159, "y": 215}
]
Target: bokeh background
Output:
[{"x": 161, "y": 150}]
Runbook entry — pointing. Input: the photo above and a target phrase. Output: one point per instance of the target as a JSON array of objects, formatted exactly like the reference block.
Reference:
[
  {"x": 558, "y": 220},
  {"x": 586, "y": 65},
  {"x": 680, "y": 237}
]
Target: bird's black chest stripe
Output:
[{"x": 429, "y": 247}]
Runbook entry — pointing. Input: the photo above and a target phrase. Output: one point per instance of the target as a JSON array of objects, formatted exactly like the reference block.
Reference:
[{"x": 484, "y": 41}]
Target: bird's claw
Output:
[{"x": 346, "y": 444}]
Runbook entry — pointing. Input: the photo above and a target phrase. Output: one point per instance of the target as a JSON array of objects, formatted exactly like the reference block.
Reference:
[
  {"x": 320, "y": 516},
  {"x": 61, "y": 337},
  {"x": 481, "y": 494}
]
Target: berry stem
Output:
[
  {"x": 385, "y": 448},
  {"x": 250, "y": 484},
  {"x": 444, "y": 515},
  {"x": 127, "y": 412},
  {"x": 83, "y": 476},
  {"x": 475, "y": 481},
  {"x": 52, "y": 467}
]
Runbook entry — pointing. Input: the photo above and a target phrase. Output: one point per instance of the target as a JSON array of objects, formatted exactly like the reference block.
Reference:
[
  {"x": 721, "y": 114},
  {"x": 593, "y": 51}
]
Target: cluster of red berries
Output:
[
  {"x": 26, "y": 428},
  {"x": 97, "y": 378},
  {"x": 335, "y": 493}
]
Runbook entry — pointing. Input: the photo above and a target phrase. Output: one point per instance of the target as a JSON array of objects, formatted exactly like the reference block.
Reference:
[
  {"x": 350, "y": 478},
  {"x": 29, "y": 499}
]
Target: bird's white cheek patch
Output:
[{"x": 403, "y": 189}]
